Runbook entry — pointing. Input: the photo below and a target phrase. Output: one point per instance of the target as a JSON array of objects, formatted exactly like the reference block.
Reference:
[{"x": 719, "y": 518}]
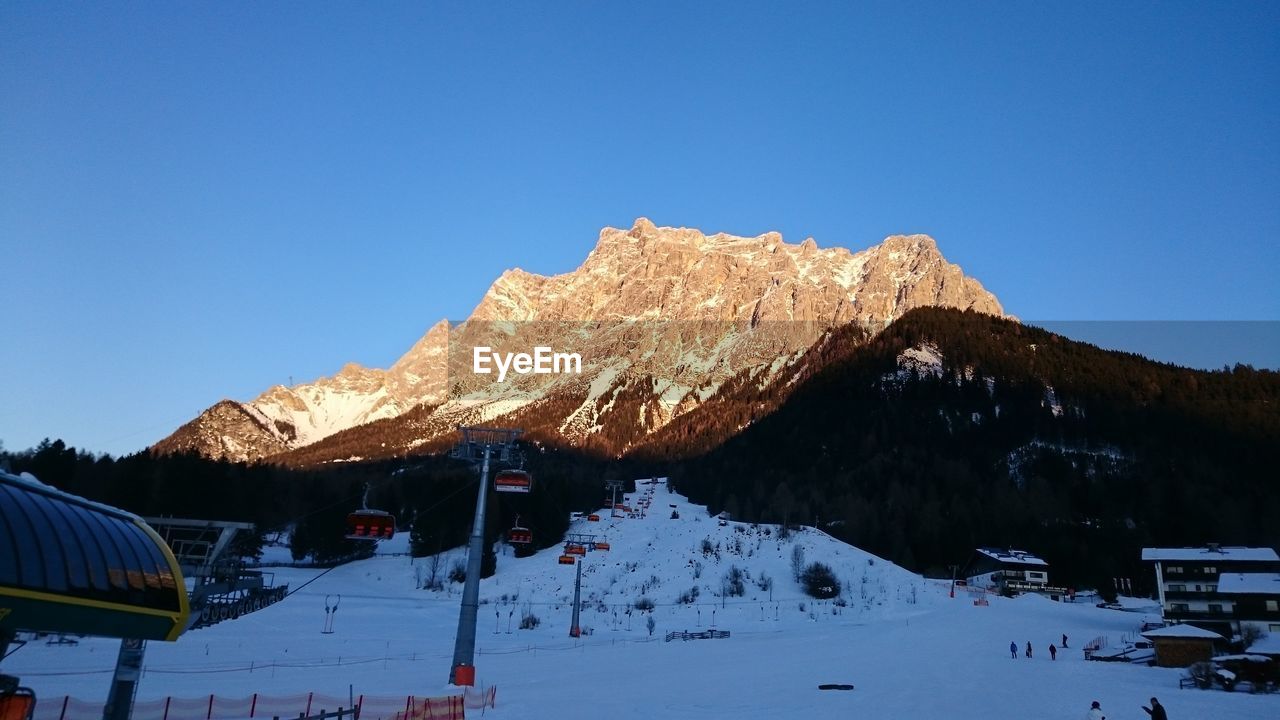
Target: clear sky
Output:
[{"x": 198, "y": 201}]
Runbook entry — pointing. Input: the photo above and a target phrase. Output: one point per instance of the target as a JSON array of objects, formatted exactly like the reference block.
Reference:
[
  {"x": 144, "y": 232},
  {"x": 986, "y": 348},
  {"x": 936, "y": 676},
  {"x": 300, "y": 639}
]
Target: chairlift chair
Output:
[
  {"x": 519, "y": 535},
  {"x": 367, "y": 524},
  {"x": 512, "y": 481}
]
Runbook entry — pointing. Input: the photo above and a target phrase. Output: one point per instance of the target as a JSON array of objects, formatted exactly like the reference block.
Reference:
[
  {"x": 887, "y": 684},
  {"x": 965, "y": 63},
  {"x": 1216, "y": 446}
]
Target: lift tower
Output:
[{"x": 483, "y": 446}]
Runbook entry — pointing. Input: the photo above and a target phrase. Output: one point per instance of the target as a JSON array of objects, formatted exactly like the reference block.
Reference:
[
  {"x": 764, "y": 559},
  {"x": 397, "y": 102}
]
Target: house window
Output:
[
  {"x": 1210, "y": 570},
  {"x": 1211, "y": 588},
  {"x": 1179, "y": 607},
  {"x": 1175, "y": 569},
  {"x": 1274, "y": 627},
  {"x": 1177, "y": 588},
  {"x": 1215, "y": 608},
  {"x": 1273, "y": 606}
]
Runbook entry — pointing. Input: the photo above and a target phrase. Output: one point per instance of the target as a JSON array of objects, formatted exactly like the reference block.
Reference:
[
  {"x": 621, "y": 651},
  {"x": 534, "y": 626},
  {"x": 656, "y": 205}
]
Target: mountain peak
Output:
[{"x": 665, "y": 313}]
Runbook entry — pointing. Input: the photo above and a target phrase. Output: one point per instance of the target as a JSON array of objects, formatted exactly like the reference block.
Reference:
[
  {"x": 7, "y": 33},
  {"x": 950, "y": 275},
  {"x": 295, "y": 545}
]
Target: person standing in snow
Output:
[
  {"x": 1028, "y": 648},
  {"x": 1095, "y": 712},
  {"x": 1053, "y": 652},
  {"x": 1064, "y": 641},
  {"x": 1156, "y": 711},
  {"x": 1013, "y": 650}
]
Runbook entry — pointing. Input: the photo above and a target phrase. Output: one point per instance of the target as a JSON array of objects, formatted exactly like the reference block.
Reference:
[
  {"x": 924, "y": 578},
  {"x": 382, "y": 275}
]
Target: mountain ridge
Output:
[{"x": 665, "y": 314}]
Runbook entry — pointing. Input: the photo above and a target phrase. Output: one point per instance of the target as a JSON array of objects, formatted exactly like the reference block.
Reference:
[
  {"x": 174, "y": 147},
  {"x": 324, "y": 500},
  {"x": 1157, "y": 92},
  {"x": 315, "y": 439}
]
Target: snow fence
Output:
[{"x": 214, "y": 707}]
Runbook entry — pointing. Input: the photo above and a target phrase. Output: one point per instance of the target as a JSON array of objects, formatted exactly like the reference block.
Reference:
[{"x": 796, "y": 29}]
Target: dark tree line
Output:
[
  {"x": 431, "y": 496},
  {"x": 1027, "y": 439}
]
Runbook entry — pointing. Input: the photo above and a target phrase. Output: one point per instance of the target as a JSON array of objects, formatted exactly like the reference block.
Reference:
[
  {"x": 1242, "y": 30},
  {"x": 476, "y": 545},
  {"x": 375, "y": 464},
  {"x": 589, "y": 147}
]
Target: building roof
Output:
[
  {"x": 1266, "y": 645},
  {"x": 1250, "y": 583},
  {"x": 75, "y": 566},
  {"x": 1017, "y": 557},
  {"x": 1183, "y": 631},
  {"x": 1207, "y": 554}
]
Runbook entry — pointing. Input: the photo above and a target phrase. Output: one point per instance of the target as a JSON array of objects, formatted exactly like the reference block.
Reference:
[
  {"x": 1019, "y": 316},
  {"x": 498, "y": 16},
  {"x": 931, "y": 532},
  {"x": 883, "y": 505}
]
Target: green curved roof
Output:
[{"x": 69, "y": 565}]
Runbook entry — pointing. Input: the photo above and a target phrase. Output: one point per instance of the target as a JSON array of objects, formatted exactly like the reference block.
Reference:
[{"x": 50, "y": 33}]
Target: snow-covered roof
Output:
[
  {"x": 1266, "y": 645},
  {"x": 1182, "y": 631},
  {"x": 1244, "y": 658},
  {"x": 1205, "y": 554},
  {"x": 1250, "y": 583},
  {"x": 1020, "y": 557}
]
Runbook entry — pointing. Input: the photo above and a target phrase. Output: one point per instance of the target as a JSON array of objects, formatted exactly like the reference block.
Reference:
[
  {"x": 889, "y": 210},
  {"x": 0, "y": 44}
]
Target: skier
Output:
[
  {"x": 1053, "y": 652},
  {"x": 1095, "y": 712},
  {"x": 1064, "y": 641},
  {"x": 1013, "y": 650},
  {"x": 1028, "y": 648},
  {"x": 1156, "y": 711}
]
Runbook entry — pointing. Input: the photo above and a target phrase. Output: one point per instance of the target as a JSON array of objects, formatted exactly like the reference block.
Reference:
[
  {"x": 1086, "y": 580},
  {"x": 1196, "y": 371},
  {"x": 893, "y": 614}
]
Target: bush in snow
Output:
[
  {"x": 797, "y": 562},
  {"x": 458, "y": 573},
  {"x": 819, "y": 581},
  {"x": 643, "y": 603},
  {"x": 732, "y": 584},
  {"x": 529, "y": 621},
  {"x": 650, "y": 624},
  {"x": 689, "y": 596}
]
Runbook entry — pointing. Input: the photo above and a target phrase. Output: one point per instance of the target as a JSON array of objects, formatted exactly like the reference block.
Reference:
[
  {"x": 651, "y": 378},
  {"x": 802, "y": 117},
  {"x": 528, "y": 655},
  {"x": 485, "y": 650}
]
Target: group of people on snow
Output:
[
  {"x": 1053, "y": 649},
  {"x": 1156, "y": 711}
]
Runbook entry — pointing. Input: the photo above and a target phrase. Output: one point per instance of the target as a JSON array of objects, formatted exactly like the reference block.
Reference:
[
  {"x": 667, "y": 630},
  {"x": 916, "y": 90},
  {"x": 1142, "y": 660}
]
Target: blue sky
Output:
[{"x": 198, "y": 201}]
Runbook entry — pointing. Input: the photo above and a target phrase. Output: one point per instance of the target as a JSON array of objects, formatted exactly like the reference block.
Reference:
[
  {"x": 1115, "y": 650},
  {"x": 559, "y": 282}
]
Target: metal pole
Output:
[
  {"x": 464, "y": 647},
  {"x": 124, "y": 684},
  {"x": 574, "y": 629}
]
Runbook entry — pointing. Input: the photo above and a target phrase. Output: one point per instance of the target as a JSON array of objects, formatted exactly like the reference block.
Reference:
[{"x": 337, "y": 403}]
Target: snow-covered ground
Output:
[{"x": 909, "y": 650}]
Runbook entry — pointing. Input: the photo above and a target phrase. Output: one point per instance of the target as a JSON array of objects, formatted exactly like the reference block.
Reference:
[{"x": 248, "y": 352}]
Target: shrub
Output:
[
  {"x": 732, "y": 585},
  {"x": 529, "y": 621},
  {"x": 688, "y": 597},
  {"x": 643, "y": 603},
  {"x": 819, "y": 581},
  {"x": 458, "y": 573}
]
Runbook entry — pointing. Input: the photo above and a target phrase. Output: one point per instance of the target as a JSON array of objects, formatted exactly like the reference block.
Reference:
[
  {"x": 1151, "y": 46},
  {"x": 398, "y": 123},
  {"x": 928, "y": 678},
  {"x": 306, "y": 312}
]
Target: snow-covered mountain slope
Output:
[
  {"x": 908, "y": 649},
  {"x": 659, "y": 316}
]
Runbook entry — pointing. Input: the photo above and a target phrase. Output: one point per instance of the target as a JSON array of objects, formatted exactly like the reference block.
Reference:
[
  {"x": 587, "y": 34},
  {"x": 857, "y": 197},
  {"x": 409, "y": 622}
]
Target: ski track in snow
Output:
[{"x": 935, "y": 657}]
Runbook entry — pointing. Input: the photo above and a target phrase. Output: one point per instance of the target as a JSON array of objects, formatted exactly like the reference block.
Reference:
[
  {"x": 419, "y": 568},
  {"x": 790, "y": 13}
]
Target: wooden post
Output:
[
  {"x": 253, "y": 705},
  {"x": 209, "y": 716},
  {"x": 65, "y": 700},
  {"x": 167, "y": 700},
  {"x": 308, "y": 712}
]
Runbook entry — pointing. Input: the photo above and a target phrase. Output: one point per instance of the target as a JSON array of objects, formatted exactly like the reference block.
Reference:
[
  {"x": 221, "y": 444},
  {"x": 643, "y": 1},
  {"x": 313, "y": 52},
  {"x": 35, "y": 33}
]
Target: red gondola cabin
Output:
[
  {"x": 567, "y": 560},
  {"x": 575, "y": 550},
  {"x": 513, "y": 481},
  {"x": 370, "y": 525},
  {"x": 593, "y": 518},
  {"x": 519, "y": 536}
]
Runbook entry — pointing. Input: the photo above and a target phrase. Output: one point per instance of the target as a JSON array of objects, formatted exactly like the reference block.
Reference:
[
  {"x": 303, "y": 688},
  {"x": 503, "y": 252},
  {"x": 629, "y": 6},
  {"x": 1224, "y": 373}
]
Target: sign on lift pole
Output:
[
  {"x": 124, "y": 683},
  {"x": 478, "y": 445}
]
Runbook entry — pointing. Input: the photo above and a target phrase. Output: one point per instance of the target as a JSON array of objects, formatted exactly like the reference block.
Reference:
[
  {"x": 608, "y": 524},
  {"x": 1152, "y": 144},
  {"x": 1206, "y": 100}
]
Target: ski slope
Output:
[{"x": 909, "y": 649}]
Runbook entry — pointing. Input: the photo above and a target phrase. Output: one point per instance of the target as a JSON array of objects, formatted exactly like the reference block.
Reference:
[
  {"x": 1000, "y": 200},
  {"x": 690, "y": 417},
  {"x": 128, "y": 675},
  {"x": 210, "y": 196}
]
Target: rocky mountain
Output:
[{"x": 659, "y": 318}]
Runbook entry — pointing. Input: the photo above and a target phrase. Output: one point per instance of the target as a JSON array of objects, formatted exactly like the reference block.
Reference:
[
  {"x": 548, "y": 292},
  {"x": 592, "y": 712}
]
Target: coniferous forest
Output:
[{"x": 1016, "y": 438}]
